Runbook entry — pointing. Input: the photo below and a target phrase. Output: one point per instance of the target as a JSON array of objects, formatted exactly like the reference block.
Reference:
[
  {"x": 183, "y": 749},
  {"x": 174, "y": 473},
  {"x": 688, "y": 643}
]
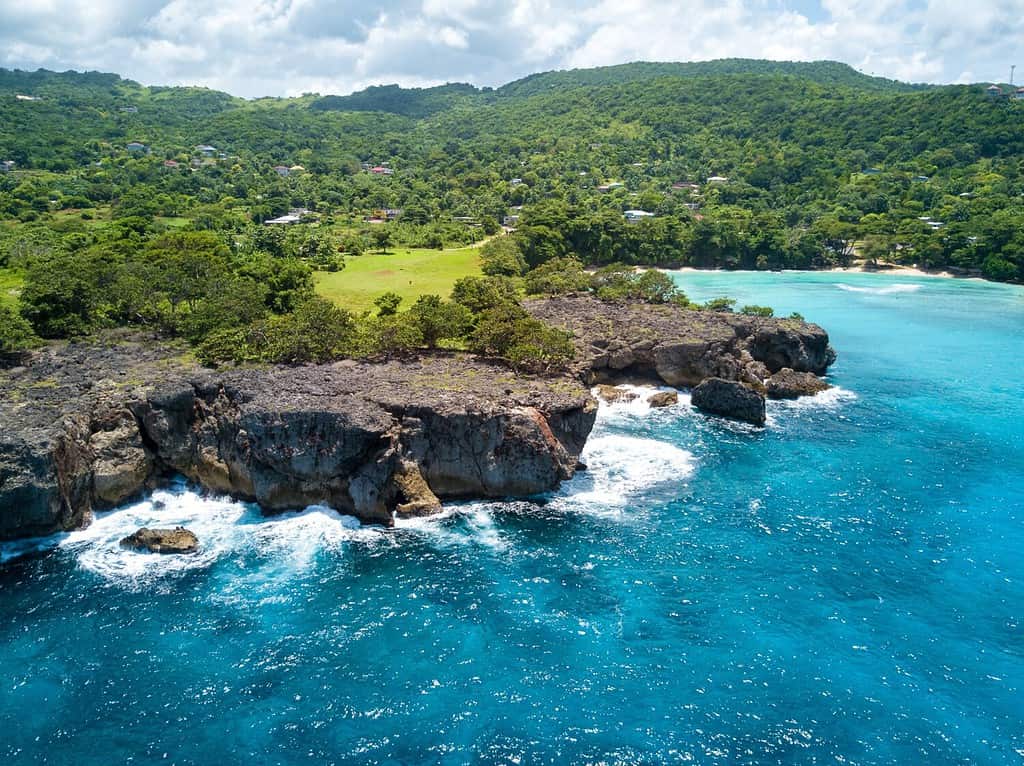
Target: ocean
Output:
[{"x": 844, "y": 586}]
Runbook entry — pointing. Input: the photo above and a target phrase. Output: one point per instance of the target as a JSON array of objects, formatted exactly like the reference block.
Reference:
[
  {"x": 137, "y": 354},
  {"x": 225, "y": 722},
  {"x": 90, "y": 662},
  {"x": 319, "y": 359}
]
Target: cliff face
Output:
[{"x": 367, "y": 439}]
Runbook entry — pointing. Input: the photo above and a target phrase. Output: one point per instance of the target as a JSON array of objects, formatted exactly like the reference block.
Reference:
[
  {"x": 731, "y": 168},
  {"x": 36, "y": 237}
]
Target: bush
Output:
[
  {"x": 527, "y": 343},
  {"x": 481, "y": 293},
  {"x": 387, "y": 304},
  {"x": 719, "y": 304},
  {"x": 757, "y": 311},
  {"x": 439, "y": 320},
  {"x": 558, "y": 277},
  {"x": 16, "y": 334}
]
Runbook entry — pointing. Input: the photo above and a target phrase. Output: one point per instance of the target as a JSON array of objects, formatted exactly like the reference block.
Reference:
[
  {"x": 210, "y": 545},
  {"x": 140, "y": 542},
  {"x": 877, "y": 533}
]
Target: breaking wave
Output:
[{"x": 887, "y": 290}]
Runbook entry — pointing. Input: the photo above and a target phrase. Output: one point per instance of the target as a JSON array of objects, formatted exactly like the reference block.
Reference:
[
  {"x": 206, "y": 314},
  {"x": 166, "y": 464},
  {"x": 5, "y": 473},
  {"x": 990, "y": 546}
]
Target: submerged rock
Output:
[
  {"x": 177, "y": 540},
  {"x": 789, "y": 384},
  {"x": 663, "y": 399},
  {"x": 730, "y": 399}
]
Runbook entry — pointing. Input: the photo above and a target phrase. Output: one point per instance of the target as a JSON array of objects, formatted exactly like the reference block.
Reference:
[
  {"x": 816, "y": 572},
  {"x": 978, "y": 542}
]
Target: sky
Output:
[{"x": 257, "y": 48}]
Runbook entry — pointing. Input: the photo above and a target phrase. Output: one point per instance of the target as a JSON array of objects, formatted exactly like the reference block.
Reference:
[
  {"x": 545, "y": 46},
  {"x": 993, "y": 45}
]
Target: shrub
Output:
[
  {"x": 558, "y": 276},
  {"x": 757, "y": 311},
  {"x": 481, "y": 293},
  {"x": 16, "y": 334}
]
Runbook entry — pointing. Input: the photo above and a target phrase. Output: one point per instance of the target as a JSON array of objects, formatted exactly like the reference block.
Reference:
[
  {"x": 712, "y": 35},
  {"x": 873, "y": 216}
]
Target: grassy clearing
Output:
[
  {"x": 10, "y": 286},
  {"x": 410, "y": 273}
]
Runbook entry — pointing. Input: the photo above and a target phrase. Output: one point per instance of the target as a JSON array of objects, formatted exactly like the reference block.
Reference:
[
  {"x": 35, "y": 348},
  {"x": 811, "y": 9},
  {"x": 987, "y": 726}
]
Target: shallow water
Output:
[{"x": 844, "y": 586}]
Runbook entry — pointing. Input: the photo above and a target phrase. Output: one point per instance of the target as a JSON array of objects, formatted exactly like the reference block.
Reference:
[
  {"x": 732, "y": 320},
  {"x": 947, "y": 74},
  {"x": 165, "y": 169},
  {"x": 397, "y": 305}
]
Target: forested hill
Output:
[
  {"x": 734, "y": 163},
  {"x": 821, "y": 72}
]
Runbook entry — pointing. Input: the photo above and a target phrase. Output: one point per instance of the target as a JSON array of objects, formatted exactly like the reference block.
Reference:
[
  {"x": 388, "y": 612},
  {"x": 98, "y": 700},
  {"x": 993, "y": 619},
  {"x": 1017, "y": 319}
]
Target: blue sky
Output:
[{"x": 286, "y": 47}]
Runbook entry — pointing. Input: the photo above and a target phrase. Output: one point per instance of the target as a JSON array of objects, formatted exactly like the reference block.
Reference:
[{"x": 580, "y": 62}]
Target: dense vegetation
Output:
[{"x": 813, "y": 165}]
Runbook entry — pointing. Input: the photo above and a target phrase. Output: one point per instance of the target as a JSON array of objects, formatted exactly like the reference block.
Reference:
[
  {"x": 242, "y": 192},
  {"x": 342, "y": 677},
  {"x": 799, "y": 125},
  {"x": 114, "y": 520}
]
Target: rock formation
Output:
[
  {"x": 177, "y": 540},
  {"x": 731, "y": 399},
  {"x": 789, "y": 384},
  {"x": 94, "y": 426},
  {"x": 663, "y": 399},
  {"x": 684, "y": 348}
]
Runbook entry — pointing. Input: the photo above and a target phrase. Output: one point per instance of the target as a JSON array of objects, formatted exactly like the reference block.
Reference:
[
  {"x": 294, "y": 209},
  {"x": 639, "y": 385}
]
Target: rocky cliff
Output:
[
  {"x": 86, "y": 426},
  {"x": 89, "y": 427}
]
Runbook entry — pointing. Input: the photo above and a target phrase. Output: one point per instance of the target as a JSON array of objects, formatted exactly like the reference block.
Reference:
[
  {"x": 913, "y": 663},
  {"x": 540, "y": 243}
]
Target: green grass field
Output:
[
  {"x": 10, "y": 285},
  {"x": 410, "y": 273}
]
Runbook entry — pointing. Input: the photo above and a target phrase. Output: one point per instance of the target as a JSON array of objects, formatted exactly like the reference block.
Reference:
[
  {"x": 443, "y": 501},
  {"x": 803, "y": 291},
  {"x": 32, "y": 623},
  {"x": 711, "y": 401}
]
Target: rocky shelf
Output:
[{"x": 89, "y": 426}]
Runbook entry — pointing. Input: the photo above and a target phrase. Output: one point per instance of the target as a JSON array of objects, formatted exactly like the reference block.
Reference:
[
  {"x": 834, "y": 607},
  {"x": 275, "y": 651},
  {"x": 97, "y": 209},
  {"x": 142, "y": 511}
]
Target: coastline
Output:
[{"x": 893, "y": 270}]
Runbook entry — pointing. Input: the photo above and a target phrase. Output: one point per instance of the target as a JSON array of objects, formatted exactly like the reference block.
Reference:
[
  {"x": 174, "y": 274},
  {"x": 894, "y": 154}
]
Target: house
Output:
[
  {"x": 129, "y": 109},
  {"x": 870, "y": 171},
  {"x": 609, "y": 187},
  {"x": 693, "y": 205},
  {"x": 206, "y": 150},
  {"x": 22, "y": 97},
  {"x": 282, "y": 170},
  {"x": 296, "y": 169},
  {"x": 388, "y": 214},
  {"x": 6, "y": 166},
  {"x": 1019, "y": 93},
  {"x": 718, "y": 180},
  {"x": 284, "y": 219},
  {"x": 920, "y": 179},
  {"x": 516, "y": 181},
  {"x": 170, "y": 164},
  {"x": 632, "y": 216},
  {"x": 136, "y": 147},
  {"x": 381, "y": 170},
  {"x": 510, "y": 221},
  {"x": 994, "y": 91},
  {"x": 685, "y": 186}
]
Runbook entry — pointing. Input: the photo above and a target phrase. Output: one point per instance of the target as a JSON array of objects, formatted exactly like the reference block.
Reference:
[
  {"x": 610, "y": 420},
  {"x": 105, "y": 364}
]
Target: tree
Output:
[
  {"x": 16, "y": 334},
  {"x": 502, "y": 257},
  {"x": 186, "y": 265},
  {"x": 481, "y": 293},
  {"x": 439, "y": 320},
  {"x": 382, "y": 236},
  {"x": 61, "y": 296}
]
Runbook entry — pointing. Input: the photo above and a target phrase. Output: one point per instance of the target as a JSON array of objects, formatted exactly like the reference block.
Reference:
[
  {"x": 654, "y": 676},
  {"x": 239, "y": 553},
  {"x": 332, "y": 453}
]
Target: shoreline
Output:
[{"x": 906, "y": 271}]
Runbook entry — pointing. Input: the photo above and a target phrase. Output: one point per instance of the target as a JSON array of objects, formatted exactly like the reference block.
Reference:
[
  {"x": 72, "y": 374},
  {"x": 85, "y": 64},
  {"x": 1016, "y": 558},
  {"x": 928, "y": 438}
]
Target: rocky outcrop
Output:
[
  {"x": 663, "y": 399},
  {"x": 730, "y": 399},
  {"x": 683, "y": 347},
  {"x": 366, "y": 439},
  {"x": 177, "y": 540},
  {"x": 612, "y": 394},
  {"x": 789, "y": 384}
]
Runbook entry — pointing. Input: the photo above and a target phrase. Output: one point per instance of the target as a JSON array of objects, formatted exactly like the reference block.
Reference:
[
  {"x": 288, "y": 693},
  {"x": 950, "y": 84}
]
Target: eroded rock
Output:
[
  {"x": 789, "y": 384},
  {"x": 730, "y": 399},
  {"x": 663, "y": 399},
  {"x": 177, "y": 540}
]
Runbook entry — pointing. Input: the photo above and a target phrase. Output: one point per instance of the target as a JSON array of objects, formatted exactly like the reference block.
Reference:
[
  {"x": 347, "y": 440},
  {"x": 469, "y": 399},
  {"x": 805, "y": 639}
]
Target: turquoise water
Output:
[{"x": 844, "y": 587}]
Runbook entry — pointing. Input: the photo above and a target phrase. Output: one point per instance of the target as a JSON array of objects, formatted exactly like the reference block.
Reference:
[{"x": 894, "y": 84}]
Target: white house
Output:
[
  {"x": 637, "y": 215},
  {"x": 6, "y": 166},
  {"x": 136, "y": 147},
  {"x": 206, "y": 150},
  {"x": 718, "y": 180}
]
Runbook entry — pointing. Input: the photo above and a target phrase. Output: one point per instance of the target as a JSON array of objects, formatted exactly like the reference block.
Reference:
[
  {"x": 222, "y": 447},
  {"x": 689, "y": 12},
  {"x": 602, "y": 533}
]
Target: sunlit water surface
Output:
[{"x": 845, "y": 586}]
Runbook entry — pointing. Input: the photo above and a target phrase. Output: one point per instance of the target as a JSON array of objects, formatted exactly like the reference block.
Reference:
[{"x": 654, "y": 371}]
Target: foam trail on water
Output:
[
  {"x": 830, "y": 399},
  {"x": 618, "y": 468},
  {"x": 460, "y": 525},
  {"x": 887, "y": 290}
]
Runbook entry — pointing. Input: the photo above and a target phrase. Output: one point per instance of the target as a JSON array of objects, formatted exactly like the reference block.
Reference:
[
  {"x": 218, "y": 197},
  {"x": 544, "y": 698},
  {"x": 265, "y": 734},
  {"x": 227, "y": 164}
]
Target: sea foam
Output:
[{"x": 887, "y": 290}]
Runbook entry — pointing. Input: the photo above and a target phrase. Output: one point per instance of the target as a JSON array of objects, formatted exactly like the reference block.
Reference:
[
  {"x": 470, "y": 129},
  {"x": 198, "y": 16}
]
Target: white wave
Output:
[
  {"x": 618, "y": 468},
  {"x": 637, "y": 407},
  {"x": 830, "y": 399},
  {"x": 887, "y": 290},
  {"x": 225, "y": 528},
  {"x": 459, "y": 525}
]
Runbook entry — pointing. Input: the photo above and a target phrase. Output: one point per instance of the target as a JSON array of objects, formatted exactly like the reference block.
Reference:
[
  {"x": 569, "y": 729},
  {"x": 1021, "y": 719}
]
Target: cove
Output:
[{"x": 843, "y": 586}]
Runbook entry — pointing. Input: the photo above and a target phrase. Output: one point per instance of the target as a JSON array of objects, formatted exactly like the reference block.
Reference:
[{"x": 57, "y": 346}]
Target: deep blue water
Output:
[{"x": 845, "y": 586}]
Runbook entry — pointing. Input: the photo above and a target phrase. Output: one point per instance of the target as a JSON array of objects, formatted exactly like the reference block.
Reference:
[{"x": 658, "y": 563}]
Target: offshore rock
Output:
[
  {"x": 177, "y": 540},
  {"x": 730, "y": 399},
  {"x": 789, "y": 384},
  {"x": 613, "y": 394}
]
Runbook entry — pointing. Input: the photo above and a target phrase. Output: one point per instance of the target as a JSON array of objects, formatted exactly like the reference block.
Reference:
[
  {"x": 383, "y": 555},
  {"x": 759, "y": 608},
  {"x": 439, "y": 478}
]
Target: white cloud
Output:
[{"x": 278, "y": 47}]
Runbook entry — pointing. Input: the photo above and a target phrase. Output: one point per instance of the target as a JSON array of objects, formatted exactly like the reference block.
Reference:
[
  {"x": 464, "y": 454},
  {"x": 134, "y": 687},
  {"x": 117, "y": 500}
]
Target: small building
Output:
[
  {"x": 284, "y": 220},
  {"x": 381, "y": 170},
  {"x": 692, "y": 205},
  {"x": 920, "y": 179},
  {"x": 516, "y": 181},
  {"x": 870, "y": 171},
  {"x": 23, "y": 97},
  {"x": 685, "y": 186},
  {"x": 510, "y": 221},
  {"x": 1019, "y": 93},
  {"x": 610, "y": 186},
  {"x": 6, "y": 166},
  {"x": 718, "y": 180},
  {"x": 994, "y": 91},
  {"x": 296, "y": 169},
  {"x": 632, "y": 216},
  {"x": 206, "y": 150},
  {"x": 137, "y": 147},
  {"x": 171, "y": 164},
  {"x": 282, "y": 170}
]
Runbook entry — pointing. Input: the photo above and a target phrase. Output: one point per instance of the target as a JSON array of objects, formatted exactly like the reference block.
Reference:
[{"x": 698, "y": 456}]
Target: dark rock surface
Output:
[
  {"x": 789, "y": 384},
  {"x": 91, "y": 426},
  {"x": 177, "y": 540},
  {"x": 729, "y": 399}
]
